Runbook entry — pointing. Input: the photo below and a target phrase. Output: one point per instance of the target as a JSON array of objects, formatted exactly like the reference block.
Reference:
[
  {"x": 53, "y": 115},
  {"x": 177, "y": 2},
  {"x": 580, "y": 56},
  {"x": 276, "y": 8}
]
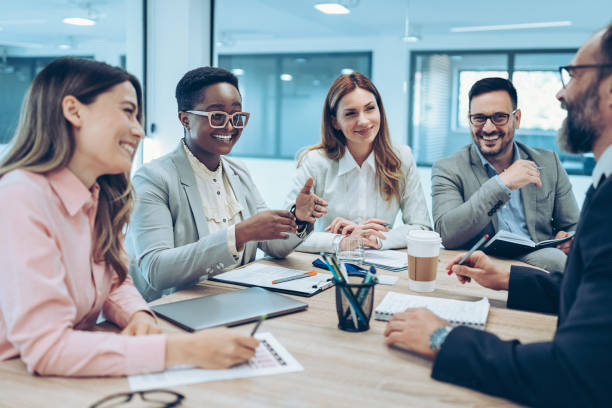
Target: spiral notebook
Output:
[{"x": 457, "y": 312}]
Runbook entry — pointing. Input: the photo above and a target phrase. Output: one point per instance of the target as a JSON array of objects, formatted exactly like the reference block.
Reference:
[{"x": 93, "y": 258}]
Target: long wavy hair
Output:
[
  {"x": 44, "y": 142},
  {"x": 333, "y": 141}
]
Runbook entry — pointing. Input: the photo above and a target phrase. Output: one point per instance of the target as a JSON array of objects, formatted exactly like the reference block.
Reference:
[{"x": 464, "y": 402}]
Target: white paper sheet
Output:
[{"x": 270, "y": 358}]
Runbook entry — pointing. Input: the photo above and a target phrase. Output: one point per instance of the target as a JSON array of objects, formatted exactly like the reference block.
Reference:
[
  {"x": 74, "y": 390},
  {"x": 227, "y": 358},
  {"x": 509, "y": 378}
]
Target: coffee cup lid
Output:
[{"x": 426, "y": 236}]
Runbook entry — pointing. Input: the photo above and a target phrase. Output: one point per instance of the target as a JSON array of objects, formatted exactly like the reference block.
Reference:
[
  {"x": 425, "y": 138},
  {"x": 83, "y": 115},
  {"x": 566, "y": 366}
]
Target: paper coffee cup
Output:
[{"x": 423, "y": 248}]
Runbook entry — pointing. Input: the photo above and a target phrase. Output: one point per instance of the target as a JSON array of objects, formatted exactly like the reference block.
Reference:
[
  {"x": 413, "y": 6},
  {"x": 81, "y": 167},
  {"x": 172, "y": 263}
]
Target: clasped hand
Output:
[
  {"x": 521, "y": 173},
  {"x": 369, "y": 230}
]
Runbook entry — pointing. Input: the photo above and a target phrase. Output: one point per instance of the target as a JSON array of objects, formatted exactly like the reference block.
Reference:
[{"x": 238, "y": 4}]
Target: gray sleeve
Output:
[
  {"x": 151, "y": 236},
  {"x": 565, "y": 212},
  {"x": 456, "y": 219}
]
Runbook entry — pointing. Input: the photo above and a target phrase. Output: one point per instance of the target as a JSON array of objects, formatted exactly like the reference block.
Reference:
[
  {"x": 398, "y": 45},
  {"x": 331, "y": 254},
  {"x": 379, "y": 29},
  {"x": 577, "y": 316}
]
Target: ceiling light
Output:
[
  {"x": 238, "y": 71},
  {"x": 410, "y": 38},
  {"x": 332, "y": 8},
  {"x": 64, "y": 47},
  {"x": 347, "y": 71},
  {"x": 511, "y": 26},
  {"x": 79, "y": 21},
  {"x": 286, "y": 77}
]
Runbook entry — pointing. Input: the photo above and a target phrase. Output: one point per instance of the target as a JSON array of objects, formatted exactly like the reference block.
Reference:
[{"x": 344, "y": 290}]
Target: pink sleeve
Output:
[
  {"x": 123, "y": 301},
  {"x": 38, "y": 309}
]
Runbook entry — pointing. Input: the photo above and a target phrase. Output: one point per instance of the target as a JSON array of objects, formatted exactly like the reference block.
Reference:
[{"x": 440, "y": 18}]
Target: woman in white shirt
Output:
[
  {"x": 364, "y": 178},
  {"x": 198, "y": 211}
]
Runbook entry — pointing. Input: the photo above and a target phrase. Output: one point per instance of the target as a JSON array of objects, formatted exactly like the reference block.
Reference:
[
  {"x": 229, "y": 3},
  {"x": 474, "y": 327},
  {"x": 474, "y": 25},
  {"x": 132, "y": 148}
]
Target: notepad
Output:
[
  {"x": 386, "y": 259},
  {"x": 511, "y": 245},
  {"x": 262, "y": 275},
  {"x": 457, "y": 312}
]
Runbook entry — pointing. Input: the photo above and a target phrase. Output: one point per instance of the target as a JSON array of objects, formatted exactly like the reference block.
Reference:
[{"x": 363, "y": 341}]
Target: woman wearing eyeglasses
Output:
[
  {"x": 198, "y": 211},
  {"x": 365, "y": 179},
  {"x": 65, "y": 197}
]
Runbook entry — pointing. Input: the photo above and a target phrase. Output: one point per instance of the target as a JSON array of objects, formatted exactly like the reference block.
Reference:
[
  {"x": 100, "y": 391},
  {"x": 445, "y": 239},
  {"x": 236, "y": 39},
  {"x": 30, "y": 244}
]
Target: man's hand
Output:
[
  {"x": 521, "y": 173},
  {"x": 264, "y": 226},
  {"x": 412, "y": 329},
  {"x": 309, "y": 206},
  {"x": 141, "y": 323},
  {"x": 567, "y": 245},
  {"x": 479, "y": 267}
]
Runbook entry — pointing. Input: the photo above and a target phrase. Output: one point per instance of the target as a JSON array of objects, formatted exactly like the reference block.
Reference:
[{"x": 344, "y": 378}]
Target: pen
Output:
[
  {"x": 352, "y": 303},
  {"x": 294, "y": 277},
  {"x": 261, "y": 319},
  {"x": 475, "y": 248}
]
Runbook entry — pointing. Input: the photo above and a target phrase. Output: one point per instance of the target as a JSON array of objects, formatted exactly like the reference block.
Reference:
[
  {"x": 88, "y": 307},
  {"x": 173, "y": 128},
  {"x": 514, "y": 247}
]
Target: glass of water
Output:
[{"x": 350, "y": 250}]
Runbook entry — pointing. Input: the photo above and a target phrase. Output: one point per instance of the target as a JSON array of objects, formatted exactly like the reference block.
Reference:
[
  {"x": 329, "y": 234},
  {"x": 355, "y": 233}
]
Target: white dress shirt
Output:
[
  {"x": 603, "y": 167},
  {"x": 220, "y": 205},
  {"x": 354, "y": 193}
]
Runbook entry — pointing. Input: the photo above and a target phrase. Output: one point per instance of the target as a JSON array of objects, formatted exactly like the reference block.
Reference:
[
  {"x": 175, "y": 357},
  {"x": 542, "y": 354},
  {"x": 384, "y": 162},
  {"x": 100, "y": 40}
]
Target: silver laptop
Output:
[{"x": 228, "y": 309}]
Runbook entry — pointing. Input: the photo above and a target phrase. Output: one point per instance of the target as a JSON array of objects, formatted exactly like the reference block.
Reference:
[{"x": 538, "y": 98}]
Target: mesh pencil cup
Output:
[{"x": 354, "y": 304}]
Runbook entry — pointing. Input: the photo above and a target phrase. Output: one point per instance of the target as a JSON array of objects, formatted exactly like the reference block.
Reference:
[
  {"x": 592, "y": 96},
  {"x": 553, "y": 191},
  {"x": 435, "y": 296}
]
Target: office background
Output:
[{"x": 422, "y": 55}]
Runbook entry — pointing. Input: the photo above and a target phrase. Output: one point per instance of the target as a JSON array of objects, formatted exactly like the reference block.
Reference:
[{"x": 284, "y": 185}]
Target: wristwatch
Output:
[
  {"x": 438, "y": 336},
  {"x": 298, "y": 222}
]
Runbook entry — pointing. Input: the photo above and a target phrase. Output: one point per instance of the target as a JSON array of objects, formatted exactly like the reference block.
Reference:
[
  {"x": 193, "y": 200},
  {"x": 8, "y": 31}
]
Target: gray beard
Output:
[
  {"x": 575, "y": 140},
  {"x": 579, "y": 129}
]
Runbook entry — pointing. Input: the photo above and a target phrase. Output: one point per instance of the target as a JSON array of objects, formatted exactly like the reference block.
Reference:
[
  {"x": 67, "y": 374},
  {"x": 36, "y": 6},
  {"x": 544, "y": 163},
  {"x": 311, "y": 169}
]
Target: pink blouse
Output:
[{"x": 51, "y": 291}]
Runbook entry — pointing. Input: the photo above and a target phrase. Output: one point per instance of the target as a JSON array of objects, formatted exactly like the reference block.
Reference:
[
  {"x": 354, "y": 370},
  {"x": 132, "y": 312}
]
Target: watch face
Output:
[{"x": 438, "y": 336}]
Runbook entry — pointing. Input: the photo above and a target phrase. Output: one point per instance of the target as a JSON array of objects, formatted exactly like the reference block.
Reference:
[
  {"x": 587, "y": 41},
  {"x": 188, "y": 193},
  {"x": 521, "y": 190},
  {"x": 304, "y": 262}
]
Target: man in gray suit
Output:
[{"x": 498, "y": 184}]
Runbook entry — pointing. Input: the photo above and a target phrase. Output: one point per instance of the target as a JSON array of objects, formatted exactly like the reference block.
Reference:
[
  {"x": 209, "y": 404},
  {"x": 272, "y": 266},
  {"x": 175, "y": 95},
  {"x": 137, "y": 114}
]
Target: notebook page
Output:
[
  {"x": 457, "y": 312},
  {"x": 388, "y": 258}
]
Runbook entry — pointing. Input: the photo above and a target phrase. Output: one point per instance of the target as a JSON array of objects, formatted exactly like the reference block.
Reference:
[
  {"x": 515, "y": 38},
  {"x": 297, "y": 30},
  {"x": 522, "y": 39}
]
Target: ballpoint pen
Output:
[
  {"x": 294, "y": 277},
  {"x": 475, "y": 248},
  {"x": 261, "y": 319}
]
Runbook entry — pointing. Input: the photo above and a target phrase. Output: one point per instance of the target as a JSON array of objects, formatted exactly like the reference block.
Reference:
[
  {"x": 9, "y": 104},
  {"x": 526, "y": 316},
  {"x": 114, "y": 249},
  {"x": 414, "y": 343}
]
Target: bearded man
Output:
[
  {"x": 573, "y": 369},
  {"x": 496, "y": 183}
]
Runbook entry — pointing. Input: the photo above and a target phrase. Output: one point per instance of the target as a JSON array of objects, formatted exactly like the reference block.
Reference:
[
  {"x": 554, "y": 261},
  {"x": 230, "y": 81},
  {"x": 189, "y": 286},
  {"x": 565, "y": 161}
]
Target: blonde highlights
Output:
[
  {"x": 333, "y": 141},
  {"x": 43, "y": 143}
]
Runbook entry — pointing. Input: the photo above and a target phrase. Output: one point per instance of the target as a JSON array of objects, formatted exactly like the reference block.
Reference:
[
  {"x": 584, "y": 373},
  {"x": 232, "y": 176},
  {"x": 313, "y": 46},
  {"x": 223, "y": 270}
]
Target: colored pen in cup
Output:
[
  {"x": 261, "y": 319},
  {"x": 294, "y": 277},
  {"x": 475, "y": 248}
]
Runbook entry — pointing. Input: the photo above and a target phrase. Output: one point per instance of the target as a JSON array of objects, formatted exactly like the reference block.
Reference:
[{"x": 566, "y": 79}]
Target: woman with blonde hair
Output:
[
  {"x": 65, "y": 198},
  {"x": 364, "y": 178}
]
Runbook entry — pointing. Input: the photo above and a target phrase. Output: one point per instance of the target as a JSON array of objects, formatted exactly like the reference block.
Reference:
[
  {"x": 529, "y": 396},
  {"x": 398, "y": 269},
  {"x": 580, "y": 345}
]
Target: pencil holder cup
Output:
[{"x": 354, "y": 304}]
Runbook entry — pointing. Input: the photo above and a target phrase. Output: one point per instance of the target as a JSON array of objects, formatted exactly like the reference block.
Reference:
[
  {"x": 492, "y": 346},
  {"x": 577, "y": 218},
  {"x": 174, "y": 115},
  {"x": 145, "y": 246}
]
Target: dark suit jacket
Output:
[{"x": 574, "y": 368}]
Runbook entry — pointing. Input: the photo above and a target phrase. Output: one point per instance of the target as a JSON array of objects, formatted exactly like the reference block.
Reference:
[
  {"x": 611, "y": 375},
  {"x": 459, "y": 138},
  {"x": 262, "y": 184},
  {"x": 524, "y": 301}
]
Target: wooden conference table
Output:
[{"x": 340, "y": 369}]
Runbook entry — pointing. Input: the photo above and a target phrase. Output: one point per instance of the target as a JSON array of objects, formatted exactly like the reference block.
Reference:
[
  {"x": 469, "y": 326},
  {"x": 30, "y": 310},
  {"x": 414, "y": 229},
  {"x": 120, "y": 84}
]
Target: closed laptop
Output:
[{"x": 228, "y": 309}]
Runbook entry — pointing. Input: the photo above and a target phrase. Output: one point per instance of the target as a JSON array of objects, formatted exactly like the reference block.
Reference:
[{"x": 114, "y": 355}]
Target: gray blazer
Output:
[
  {"x": 465, "y": 200},
  {"x": 168, "y": 239}
]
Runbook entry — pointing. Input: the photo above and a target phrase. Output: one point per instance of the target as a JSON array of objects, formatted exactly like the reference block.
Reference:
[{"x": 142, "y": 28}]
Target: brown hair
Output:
[
  {"x": 333, "y": 141},
  {"x": 43, "y": 143}
]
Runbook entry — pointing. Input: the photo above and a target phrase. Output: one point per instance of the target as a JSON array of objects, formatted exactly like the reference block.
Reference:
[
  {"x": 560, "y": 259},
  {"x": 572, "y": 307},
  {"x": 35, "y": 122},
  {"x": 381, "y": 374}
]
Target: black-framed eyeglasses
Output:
[
  {"x": 567, "y": 72},
  {"x": 160, "y": 398},
  {"x": 498, "y": 118},
  {"x": 219, "y": 119}
]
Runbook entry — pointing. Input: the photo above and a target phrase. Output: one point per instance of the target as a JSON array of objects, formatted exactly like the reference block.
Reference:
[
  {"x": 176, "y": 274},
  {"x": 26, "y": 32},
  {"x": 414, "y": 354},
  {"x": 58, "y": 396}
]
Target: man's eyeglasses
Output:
[
  {"x": 157, "y": 398},
  {"x": 567, "y": 72},
  {"x": 219, "y": 119},
  {"x": 498, "y": 118}
]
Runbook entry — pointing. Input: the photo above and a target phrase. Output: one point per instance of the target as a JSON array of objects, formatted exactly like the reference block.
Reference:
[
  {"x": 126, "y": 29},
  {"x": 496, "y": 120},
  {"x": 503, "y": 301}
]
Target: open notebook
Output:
[{"x": 457, "y": 312}]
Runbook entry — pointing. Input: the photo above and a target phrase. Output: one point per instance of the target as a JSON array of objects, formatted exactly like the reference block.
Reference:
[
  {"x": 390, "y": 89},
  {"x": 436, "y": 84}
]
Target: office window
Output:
[
  {"x": 285, "y": 95},
  {"x": 33, "y": 34},
  {"x": 439, "y": 100}
]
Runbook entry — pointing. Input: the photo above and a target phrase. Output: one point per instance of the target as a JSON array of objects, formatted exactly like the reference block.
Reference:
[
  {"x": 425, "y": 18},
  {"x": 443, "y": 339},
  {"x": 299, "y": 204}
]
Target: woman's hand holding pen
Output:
[
  {"x": 265, "y": 225},
  {"x": 309, "y": 206},
  {"x": 479, "y": 267},
  {"x": 212, "y": 348}
]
